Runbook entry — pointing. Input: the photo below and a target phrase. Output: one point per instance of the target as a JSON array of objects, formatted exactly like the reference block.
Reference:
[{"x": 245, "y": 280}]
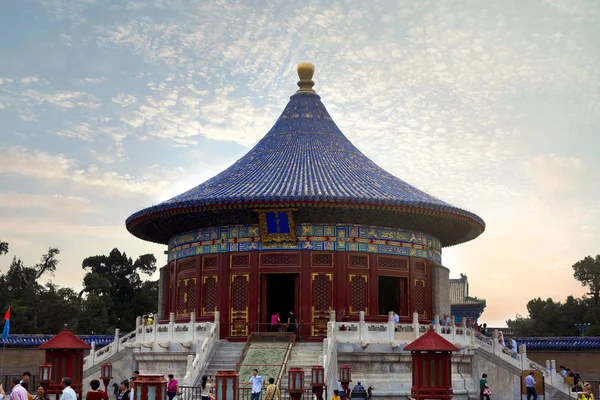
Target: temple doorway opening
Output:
[
  {"x": 393, "y": 295},
  {"x": 280, "y": 294}
]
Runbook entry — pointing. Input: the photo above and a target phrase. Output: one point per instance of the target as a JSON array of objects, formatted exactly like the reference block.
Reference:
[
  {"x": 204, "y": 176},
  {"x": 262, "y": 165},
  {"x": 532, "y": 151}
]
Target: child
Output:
[
  {"x": 272, "y": 391},
  {"x": 336, "y": 395}
]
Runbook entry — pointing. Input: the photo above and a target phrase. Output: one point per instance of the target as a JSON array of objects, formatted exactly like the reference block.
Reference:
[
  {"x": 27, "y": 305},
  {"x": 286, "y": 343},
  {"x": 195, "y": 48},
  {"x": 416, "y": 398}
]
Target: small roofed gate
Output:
[
  {"x": 431, "y": 366},
  {"x": 65, "y": 352}
]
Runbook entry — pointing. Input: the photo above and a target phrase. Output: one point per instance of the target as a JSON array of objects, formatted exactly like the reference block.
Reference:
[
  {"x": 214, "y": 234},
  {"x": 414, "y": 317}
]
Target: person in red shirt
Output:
[{"x": 96, "y": 393}]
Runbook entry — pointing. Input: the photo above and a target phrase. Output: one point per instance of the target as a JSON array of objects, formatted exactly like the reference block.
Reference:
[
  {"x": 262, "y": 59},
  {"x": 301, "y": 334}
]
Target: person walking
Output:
[
  {"x": 484, "y": 388},
  {"x": 587, "y": 393},
  {"x": 18, "y": 392},
  {"x": 95, "y": 393},
  {"x": 68, "y": 393},
  {"x": 124, "y": 392},
  {"x": 530, "y": 386},
  {"x": 172, "y": 387},
  {"x": 206, "y": 394},
  {"x": 272, "y": 391},
  {"x": 257, "y": 383}
]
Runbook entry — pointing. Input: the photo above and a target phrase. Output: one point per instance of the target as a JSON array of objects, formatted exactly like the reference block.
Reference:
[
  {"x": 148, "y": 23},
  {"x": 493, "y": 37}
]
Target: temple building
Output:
[
  {"x": 304, "y": 222},
  {"x": 461, "y": 304}
]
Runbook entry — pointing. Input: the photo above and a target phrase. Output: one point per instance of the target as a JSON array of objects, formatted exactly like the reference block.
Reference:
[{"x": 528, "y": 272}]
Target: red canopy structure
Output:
[
  {"x": 65, "y": 353},
  {"x": 431, "y": 366}
]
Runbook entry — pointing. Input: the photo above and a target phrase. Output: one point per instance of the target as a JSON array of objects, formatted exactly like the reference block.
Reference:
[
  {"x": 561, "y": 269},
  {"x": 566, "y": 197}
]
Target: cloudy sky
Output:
[{"x": 109, "y": 106}]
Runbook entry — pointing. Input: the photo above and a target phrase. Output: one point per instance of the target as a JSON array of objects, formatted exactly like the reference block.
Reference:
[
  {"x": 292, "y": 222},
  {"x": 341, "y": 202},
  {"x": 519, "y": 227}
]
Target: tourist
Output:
[
  {"x": 124, "y": 392},
  {"x": 172, "y": 387},
  {"x": 501, "y": 339},
  {"x": 530, "y": 386},
  {"x": 587, "y": 392},
  {"x": 275, "y": 321},
  {"x": 257, "y": 382},
  {"x": 206, "y": 389},
  {"x": 484, "y": 388},
  {"x": 484, "y": 329},
  {"x": 2, "y": 394},
  {"x": 272, "y": 391},
  {"x": 515, "y": 348},
  {"x": 135, "y": 374},
  {"x": 395, "y": 317},
  {"x": 41, "y": 394},
  {"x": 96, "y": 393},
  {"x": 68, "y": 393},
  {"x": 562, "y": 371},
  {"x": 26, "y": 377},
  {"x": 26, "y": 387},
  {"x": 291, "y": 322},
  {"x": 18, "y": 392},
  {"x": 131, "y": 388},
  {"x": 336, "y": 395}
]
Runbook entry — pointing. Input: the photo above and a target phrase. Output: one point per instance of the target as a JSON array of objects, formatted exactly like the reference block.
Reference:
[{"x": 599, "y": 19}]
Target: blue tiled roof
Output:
[
  {"x": 36, "y": 340},
  {"x": 560, "y": 343},
  {"x": 305, "y": 159}
]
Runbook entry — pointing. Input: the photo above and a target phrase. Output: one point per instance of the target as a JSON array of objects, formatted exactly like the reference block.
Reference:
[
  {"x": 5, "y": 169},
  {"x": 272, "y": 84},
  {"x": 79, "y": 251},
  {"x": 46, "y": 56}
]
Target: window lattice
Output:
[
  {"x": 239, "y": 290},
  {"x": 239, "y": 261},
  {"x": 322, "y": 260},
  {"x": 280, "y": 259},
  {"x": 399, "y": 264},
  {"x": 187, "y": 265},
  {"x": 359, "y": 261},
  {"x": 420, "y": 266},
  {"x": 210, "y": 262},
  {"x": 420, "y": 298},
  {"x": 322, "y": 292},
  {"x": 210, "y": 294},
  {"x": 358, "y": 293},
  {"x": 181, "y": 295},
  {"x": 191, "y": 296}
]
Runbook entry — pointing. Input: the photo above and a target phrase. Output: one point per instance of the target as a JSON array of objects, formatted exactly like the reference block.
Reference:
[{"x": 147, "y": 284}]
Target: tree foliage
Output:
[
  {"x": 550, "y": 318},
  {"x": 587, "y": 271},
  {"x": 113, "y": 294}
]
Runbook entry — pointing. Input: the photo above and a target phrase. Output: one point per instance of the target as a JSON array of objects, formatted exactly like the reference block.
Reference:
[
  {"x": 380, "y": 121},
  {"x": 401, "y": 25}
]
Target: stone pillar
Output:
[
  {"x": 440, "y": 281},
  {"x": 391, "y": 326},
  {"x": 193, "y": 325},
  {"x": 416, "y": 325},
  {"x": 363, "y": 333},
  {"x": 495, "y": 345},
  {"x": 332, "y": 316},
  {"x": 162, "y": 291},
  {"x": 553, "y": 376},
  {"x": 93, "y": 354},
  {"x": 523, "y": 353},
  {"x": 218, "y": 323},
  {"x": 115, "y": 349},
  {"x": 171, "y": 325}
]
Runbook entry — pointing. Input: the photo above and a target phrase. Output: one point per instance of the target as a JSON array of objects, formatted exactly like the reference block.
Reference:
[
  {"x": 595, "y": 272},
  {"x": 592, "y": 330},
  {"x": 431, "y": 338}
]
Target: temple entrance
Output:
[
  {"x": 279, "y": 294},
  {"x": 393, "y": 295}
]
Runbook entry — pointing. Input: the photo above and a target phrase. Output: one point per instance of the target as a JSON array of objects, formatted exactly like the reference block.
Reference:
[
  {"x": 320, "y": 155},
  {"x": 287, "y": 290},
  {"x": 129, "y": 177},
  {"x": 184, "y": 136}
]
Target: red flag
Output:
[{"x": 7, "y": 315}]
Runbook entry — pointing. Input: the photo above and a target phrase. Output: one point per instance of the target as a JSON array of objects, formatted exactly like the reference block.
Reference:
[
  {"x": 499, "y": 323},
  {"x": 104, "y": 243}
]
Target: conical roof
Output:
[{"x": 305, "y": 161}]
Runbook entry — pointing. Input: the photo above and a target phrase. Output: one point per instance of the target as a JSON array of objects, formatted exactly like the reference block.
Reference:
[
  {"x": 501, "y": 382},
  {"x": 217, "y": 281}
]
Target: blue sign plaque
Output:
[{"x": 277, "y": 222}]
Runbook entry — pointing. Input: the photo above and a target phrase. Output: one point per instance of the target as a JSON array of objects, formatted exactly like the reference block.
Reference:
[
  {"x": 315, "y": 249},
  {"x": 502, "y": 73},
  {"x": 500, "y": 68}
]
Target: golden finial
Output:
[{"x": 305, "y": 72}]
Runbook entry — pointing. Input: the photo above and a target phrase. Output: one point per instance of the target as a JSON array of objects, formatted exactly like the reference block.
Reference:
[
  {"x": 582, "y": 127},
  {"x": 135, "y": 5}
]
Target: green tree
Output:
[
  {"x": 114, "y": 292},
  {"x": 587, "y": 271},
  {"x": 3, "y": 247}
]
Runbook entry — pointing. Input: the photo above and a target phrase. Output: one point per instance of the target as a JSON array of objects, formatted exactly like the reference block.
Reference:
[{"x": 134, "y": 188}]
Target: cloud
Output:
[
  {"x": 29, "y": 80},
  {"x": 56, "y": 203},
  {"x": 51, "y": 169},
  {"x": 66, "y": 39},
  {"x": 124, "y": 100}
]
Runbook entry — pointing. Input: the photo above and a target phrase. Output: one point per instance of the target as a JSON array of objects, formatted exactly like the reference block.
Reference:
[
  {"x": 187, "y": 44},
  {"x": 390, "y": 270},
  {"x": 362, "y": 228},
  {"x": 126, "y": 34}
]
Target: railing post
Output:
[
  {"x": 436, "y": 324},
  {"x": 332, "y": 316},
  {"x": 391, "y": 326},
  {"x": 495, "y": 344},
  {"x": 472, "y": 332},
  {"x": 138, "y": 321},
  {"x": 523, "y": 352},
  {"x": 416, "y": 326},
  {"x": 464, "y": 329},
  {"x": 217, "y": 325},
  {"x": 362, "y": 327},
  {"x": 171, "y": 325},
  {"x": 116, "y": 342},
  {"x": 154, "y": 329},
  {"x": 192, "y": 324},
  {"x": 92, "y": 354},
  {"x": 553, "y": 379}
]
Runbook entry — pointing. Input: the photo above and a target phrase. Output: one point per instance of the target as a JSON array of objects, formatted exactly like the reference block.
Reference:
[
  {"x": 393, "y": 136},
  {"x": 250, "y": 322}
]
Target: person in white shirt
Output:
[
  {"x": 257, "y": 383},
  {"x": 396, "y": 317},
  {"x": 563, "y": 371},
  {"x": 68, "y": 393},
  {"x": 18, "y": 392},
  {"x": 530, "y": 385}
]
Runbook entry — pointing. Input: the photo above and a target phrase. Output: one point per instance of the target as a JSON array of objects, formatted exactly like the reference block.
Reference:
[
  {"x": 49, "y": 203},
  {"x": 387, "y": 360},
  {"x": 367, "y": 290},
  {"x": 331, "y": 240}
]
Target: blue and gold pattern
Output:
[{"x": 328, "y": 237}]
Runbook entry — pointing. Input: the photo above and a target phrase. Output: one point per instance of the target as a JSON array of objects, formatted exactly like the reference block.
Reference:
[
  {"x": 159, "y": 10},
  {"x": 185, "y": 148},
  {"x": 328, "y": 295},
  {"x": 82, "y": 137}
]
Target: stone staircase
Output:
[
  {"x": 304, "y": 355},
  {"x": 226, "y": 356}
]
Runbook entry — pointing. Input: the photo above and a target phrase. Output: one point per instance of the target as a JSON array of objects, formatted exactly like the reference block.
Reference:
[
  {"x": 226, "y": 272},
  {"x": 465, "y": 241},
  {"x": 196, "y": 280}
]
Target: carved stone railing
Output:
[
  {"x": 197, "y": 364},
  {"x": 365, "y": 333},
  {"x": 118, "y": 344}
]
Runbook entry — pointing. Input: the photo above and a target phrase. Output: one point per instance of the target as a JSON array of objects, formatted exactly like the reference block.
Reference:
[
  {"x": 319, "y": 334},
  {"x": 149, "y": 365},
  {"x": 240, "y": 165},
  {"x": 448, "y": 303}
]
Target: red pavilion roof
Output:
[
  {"x": 65, "y": 340},
  {"x": 431, "y": 341}
]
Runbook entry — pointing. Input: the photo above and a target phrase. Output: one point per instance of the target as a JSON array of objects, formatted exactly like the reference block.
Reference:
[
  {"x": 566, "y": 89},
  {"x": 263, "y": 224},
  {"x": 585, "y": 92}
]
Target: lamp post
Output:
[
  {"x": 582, "y": 328},
  {"x": 45, "y": 373},
  {"x": 295, "y": 383},
  {"x": 227, "y": 385},
  {"x": 106, "y": 375},
  {"x": 317, "y": 380},
  {"x": 345, "y": 378}
]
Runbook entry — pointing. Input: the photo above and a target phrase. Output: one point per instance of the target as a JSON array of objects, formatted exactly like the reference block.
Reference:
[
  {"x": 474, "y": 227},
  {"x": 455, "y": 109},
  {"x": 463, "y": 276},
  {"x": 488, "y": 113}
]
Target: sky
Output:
[{"x": 107, "y": 107}]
